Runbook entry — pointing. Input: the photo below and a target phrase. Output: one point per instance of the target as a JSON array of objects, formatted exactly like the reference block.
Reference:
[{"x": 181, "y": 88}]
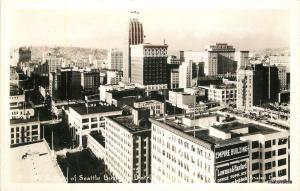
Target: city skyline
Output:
[{"x": 267, "y": 28}]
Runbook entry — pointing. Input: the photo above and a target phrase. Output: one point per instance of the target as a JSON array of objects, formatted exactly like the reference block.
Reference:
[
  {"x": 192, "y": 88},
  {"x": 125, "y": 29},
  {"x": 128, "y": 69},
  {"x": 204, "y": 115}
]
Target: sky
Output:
[{"x": 182, "y": 28}]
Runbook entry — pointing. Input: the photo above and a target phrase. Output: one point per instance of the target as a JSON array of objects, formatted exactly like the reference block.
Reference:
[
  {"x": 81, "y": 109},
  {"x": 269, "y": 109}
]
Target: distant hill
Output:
[
  {"x": 285, "y": 51},
  {"x": 69, "y": 52}
]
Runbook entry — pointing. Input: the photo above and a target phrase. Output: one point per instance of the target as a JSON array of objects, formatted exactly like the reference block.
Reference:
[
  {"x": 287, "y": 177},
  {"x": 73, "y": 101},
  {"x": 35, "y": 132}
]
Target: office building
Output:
[
  {"x": 223, "y": 94},
  {"x": 54, "y": 61},
  {"x": 185, "y": 75},
  {"x": 155, "y": 107},
  {"x": 90, "y": 81},
  {"x": 173, "y": 60},
  {"x": 103, "y": 89},
  {"x": 135, "y": 37},
  {"x": 84, "y": 120},
  {"x": 150, "y": 66},
  {"x": 114, "y": 76},
  {"x": 282, "y": 75},
  {"x": 173, "y": 75},
  {"x": 128, "y": 147},
  {"x": 24, "y": 54},
  {"x": 242, "y": 58},
  {"x": 219, "y": 60},
  {"x": 216, "y": 148},
  {"x": 115, "y": 59},
  {"x": 68, "y": 84},
  {"x": 24, "y": 131},
  {"x": 256, "y": 84}
]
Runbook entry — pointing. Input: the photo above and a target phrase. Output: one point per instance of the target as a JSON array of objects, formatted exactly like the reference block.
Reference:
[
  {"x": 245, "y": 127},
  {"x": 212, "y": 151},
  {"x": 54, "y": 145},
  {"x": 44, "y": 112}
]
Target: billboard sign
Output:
[{"x": 230, "y": 152}]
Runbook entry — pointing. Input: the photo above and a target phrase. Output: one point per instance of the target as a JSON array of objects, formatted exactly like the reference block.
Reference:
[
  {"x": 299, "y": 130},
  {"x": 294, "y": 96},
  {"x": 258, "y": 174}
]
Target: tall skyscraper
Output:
[
  {"x": 136, "y": 36},
  {"x": 256, "y": 84},
  {"x": 219, "y": 59},
  {"x": 185, "y": 75},
  {"x": 115, "y": 59},
  {"x": 242, "y": 58},
  {"x": 150, "y": 66}
]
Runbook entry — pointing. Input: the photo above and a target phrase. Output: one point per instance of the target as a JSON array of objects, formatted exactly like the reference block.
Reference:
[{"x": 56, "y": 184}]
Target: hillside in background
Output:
[{"x": 69, "y": 52}]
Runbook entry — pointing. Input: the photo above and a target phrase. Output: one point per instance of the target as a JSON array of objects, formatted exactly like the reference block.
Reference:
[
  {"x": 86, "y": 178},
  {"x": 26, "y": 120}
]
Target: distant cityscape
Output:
[{"x": 143, "y": 115}]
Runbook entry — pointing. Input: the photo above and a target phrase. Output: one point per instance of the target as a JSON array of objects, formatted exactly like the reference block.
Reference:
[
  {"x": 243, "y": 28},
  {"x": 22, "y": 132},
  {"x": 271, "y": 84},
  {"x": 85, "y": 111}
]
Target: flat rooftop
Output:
[
  {"x": 82, "y": 110},
  {"x": 252, "y": 128},
  {"x": 200, "y": 133},
  {"x": 127, "y": 122},
  {"x": 34, "y": 163},
  {"x": 30, "y": 120}
]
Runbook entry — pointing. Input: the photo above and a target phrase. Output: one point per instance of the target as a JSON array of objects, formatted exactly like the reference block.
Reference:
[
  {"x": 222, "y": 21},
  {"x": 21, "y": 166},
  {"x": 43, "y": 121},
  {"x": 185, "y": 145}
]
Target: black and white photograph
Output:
[{"x": 197, "y": 93}]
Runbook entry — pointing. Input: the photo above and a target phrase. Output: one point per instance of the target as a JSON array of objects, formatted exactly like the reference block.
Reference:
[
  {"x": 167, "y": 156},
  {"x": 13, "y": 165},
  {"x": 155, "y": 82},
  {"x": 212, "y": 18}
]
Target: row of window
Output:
[
  {"x": 269, "y": 143},
  {"x": 268, "y": 165}
]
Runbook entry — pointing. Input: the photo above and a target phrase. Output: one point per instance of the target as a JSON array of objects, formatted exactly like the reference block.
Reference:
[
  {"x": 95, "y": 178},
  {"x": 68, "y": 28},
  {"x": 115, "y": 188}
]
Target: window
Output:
[
  {"x": 34, "y": 132},
  {"x": 268, "y": 155},
  {"x": 268, "y": 165},
  {"x": 12, "y": 135},
  {"x": 255, "y": 144},
  {"x": 274, "y": 142},
  {"x": 12, "y": 130},
  {"x": 255, "y": 177},
  {"x": 255, "y": 155},
  {"x": 274, "y": 153},
  {"x": 93, "y": 119},
  {"x": 281, "y": 162},
  {"x": 34, "y": 127},
  {"x": 281, "y": 151},
  {"x": 94, "y": 125},
  {"x": 282, "y": 172},
  {"x": 282, "y": 141},
  {"x": 85, "y": 127},
  {"x": 268, "y": 144},
  {"x": 85, "y": 120},
  {"x": 268, "y": 176},
  {"x": 255, "y": 166}
]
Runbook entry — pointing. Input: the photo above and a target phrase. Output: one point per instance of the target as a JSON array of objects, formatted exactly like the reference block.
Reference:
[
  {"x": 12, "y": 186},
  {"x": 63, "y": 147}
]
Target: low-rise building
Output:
[
  {"x": 223, "y": 94},
  {"x": 114, "y": 76},
  {"x": 155, "y": 107},
  {"x": 24, "y": 131}
]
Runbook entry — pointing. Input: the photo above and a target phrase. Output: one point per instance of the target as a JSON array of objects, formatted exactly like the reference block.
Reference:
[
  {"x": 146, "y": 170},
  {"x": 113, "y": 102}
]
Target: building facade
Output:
[
  {"x": 223, "y": 94},
  {"x": 155, "y": 107},
  {"x": 128, "y": 149},
  {"x": 256, "y": 84},
  {"x": 217, "y": 150},
  {"x": 219, "y": 60},
  {"x": 24, "y": 131},
  {"x": 114, "y": 76},
  {"x": 135, "y": 36},
  {"x": 83, "y": 120},
  {"x": 150, "y": 66},
  {"x": 185, "y": 75},
  {"x": 90, "y": 81},
  {"x": 115, "y": 59}
]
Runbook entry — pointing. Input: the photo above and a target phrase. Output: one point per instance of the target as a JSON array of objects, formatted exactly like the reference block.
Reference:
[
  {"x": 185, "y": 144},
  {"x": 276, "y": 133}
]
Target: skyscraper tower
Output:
[{"x": 136, "y": 36}]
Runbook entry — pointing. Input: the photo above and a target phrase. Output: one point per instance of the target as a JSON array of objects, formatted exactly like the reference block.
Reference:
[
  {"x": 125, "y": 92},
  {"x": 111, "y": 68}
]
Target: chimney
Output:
[{"x": 139, "y": 114}]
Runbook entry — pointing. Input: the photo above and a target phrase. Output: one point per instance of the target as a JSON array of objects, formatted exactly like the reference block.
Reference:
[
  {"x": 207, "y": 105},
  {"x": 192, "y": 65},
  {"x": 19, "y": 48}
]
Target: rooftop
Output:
[
  {"x": 252, "y": 128},
  {"x": 203, "y": 133},
  {"x": 127, "y": 122},
  {"x": 82, "y": 110},
  {"x": 33, "y": 163},
  {"x": 30, "y": 120}
]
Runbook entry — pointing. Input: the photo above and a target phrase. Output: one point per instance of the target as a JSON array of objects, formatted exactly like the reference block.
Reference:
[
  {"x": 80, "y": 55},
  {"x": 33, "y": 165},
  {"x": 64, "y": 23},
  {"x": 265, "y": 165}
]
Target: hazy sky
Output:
[{"x": 183, "y": 29}]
